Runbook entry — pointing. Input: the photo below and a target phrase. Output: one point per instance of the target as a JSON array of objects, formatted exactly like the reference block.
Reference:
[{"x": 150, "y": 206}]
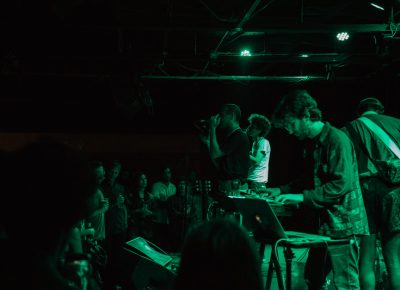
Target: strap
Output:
[
  {"x": 359, "y": 143},
  {"x": 382, "y": 135}
]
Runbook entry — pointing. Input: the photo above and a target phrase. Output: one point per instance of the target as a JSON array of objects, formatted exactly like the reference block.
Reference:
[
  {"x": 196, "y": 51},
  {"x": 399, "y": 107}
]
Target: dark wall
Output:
[{"x": 149, "y": 137}]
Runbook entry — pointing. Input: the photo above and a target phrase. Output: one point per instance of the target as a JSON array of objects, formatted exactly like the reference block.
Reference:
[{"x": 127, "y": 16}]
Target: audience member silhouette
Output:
[
  {"x": 140, "y": 222},
  {"x": 160, "y": 191},
  {"x": 116, "y": 219},
  {"x": 200, "y": 198},
  {"x": 96, "y": 219},
  {"x": 181, "y": 212},
  {"x": 48, "y": 189},
  {"x": 219, "y": 255}
]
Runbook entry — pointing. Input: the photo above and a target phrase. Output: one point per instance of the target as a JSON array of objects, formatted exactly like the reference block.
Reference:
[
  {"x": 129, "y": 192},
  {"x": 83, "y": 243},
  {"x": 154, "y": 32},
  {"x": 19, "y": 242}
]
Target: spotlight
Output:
[
  {"x": 245, "y": 52},
  {"x": 377, "y": 6},
  {"x": 342, "y": 36}
]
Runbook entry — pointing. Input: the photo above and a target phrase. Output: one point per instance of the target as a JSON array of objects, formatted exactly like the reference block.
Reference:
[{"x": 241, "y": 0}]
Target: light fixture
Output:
[
  {"x": 342, "y": 36},
  {"x": 245, "y": 52},
  {"x": 377, "y": 6}
]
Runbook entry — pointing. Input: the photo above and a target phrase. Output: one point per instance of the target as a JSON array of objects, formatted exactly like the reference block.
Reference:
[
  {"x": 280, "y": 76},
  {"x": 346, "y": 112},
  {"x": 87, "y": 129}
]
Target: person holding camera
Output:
[{"x": 229, "y": 149}]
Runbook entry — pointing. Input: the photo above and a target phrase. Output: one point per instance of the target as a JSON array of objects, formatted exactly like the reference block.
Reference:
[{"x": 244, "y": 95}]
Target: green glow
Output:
[
  {"x": 245, "y": 52},
  {"x": 342, "y": 36},
  {"x": 377, "y": 6}
]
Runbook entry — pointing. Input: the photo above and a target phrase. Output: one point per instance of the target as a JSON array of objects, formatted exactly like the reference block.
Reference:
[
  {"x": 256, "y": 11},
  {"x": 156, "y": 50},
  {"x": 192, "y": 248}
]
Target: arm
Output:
[
  {"x": 154, "y": 193},
  {"x": 215, "y": 149},
  {"x": 75, "y": 241},
  {"x": 104, "y": 206},
  {"x": 337, "y": 174},
  {"x": 262, "y": 152}
]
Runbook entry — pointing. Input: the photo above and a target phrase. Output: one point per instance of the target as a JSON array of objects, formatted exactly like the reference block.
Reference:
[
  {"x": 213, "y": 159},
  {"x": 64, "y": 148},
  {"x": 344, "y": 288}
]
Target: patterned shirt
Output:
[{"x": 331, "y": 185}]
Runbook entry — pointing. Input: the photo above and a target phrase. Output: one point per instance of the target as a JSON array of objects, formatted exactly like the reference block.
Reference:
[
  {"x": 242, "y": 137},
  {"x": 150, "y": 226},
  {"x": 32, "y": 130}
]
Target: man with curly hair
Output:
[{"x": 329, "y": 190}]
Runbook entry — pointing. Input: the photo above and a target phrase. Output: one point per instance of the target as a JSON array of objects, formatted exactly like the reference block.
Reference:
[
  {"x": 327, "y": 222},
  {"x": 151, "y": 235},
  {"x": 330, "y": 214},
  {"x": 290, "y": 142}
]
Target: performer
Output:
[
  {"x": 260, "y": 151},
  {"x": 330, "y": 186},
  {"x": 382, "y": 200},
  {"x": 229, "y": 149}
]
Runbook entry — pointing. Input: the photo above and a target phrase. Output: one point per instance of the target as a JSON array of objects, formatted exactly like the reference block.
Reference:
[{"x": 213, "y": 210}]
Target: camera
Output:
[{"x": 203, "y": 126}]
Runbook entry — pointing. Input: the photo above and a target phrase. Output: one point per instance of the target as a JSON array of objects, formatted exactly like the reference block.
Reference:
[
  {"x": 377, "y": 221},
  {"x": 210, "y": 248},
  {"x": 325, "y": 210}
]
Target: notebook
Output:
[{"x": 259, "y": 217}]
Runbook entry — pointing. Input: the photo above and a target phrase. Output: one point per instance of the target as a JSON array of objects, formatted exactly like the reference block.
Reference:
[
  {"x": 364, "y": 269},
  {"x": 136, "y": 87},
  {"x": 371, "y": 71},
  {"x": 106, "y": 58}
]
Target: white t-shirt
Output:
[{"x": 259, "y": 172}]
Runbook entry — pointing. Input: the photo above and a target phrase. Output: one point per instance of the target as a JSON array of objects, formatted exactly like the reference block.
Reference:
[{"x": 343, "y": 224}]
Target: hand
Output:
[
  {"x": 205, "y": 138},
  {"x": 147, "y": 212},
  {"x": 272, "y": 191},
  {"x": 214, "y": 121},
  {"x": 89, "y": 231},
  {"x": 292, "y": 198},
  {"x": 105, "y": 205},
  {"x": 163, "y": 197}
]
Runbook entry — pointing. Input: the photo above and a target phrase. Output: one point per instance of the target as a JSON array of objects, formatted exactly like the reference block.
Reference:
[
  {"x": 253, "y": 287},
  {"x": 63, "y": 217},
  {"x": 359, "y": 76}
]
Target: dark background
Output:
[{"x": 128, "y": 79}]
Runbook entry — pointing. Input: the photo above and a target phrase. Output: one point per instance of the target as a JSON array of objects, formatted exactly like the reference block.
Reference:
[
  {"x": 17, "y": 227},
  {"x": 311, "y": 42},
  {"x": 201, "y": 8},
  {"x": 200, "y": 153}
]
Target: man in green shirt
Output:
[{"x": 329, "y": 188}]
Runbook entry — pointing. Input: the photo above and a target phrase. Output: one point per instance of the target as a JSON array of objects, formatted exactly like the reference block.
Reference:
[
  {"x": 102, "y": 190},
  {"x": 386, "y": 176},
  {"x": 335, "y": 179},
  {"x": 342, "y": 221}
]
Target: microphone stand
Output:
[{"x": 185, "y": 199}]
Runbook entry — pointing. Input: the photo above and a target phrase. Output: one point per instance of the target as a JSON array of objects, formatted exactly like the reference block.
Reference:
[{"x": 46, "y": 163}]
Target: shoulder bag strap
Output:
[{"x": 381, "y": 135}]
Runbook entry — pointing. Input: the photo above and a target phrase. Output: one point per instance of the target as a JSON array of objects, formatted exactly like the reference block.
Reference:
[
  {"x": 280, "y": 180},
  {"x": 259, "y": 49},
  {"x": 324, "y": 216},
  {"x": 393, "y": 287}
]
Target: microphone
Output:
[{"x": 202, "y": 125}]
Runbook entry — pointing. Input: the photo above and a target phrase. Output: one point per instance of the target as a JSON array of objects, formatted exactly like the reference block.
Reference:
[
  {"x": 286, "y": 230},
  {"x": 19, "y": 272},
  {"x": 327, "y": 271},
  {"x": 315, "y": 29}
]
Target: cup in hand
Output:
[
  {"x": 105, "y": 203},
  {"x": 120, "y": 200}
]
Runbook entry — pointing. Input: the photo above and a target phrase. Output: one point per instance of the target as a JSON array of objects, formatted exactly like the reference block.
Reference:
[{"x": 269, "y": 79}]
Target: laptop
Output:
[
  {"x": 259, "y": 217},
  {"x": 145, "y": 248}
]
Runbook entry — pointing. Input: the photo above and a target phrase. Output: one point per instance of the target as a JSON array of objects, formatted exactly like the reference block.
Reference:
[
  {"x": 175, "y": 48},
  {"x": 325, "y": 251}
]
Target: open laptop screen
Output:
[
  {"x": 146, "y": 249},
  {"x": 259, "y": 217}
]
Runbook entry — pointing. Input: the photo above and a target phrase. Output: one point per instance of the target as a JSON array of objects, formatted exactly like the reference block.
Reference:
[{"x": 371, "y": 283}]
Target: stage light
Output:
[
  {"x": 342, "y": 36},
  {"x": 304, "y": 55},
  {"x": 376, "y": 6},
  {"x": 245, "y": 52}
]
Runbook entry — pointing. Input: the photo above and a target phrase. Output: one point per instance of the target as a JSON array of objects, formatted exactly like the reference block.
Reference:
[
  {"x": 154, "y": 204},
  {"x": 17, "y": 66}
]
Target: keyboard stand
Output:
[{"x": 289, "y": 256}]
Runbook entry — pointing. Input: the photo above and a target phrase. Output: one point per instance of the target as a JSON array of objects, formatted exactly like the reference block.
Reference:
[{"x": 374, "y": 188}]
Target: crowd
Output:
[{"x": 65, "y": 217}]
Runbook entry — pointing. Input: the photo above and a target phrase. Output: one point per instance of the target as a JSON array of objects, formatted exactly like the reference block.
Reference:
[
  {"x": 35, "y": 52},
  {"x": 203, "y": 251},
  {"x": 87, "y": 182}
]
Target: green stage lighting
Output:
[
  {"x": 342, "y": 36},
  {"x": 245, "y": 52}
]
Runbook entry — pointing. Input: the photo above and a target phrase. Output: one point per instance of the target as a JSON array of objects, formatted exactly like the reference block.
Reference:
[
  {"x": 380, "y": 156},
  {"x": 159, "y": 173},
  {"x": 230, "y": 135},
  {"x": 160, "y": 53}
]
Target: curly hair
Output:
[
  {"x": 298, "y": 104},
  {"x": 260, "y": 122}
]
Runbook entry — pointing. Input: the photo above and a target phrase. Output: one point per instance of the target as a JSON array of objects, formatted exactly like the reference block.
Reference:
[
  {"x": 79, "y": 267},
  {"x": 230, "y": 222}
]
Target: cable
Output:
[
  {"x": 303, "y": 255},
  {"x": 231, "y": 20},
  {"x": 394, "y": 28},
  {"x": 262, "y": 8}
]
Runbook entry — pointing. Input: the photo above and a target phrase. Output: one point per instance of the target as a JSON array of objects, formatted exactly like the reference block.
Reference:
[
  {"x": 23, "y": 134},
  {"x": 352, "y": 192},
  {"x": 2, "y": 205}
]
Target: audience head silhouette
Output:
[
  {"x": 219, "y": 255},
  {"x": 48, "y": 190}
]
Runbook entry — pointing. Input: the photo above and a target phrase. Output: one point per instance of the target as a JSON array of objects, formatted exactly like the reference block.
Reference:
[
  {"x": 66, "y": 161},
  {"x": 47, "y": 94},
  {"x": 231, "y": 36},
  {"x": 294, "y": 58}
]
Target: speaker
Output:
[{"x": 153, "y": 268}]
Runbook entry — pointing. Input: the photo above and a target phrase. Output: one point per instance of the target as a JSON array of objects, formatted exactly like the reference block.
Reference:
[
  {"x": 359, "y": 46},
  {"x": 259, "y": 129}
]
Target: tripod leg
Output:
[{"x": 270, "y": 271}]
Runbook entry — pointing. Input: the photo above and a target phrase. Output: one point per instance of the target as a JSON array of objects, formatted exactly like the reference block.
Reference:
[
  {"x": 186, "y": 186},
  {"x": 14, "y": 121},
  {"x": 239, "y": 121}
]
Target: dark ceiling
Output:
[{"x": 77, "y": 53}]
